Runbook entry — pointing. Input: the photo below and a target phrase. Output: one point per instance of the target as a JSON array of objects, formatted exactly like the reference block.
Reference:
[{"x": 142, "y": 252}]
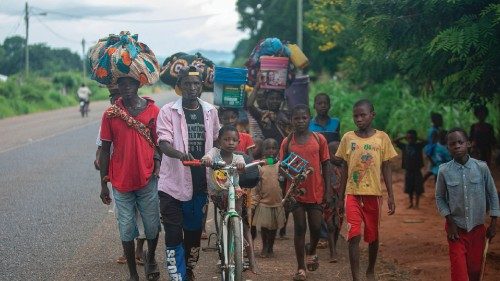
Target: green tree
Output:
[
  {"x": 43, "y": 59},
  {"x": 443, "y": 47},
  {"x": 263, "y": 19}
]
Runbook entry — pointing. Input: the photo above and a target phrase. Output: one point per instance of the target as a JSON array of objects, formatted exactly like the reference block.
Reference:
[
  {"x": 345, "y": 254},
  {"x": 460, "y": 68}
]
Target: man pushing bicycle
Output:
[{"x": 187, "y": 129}]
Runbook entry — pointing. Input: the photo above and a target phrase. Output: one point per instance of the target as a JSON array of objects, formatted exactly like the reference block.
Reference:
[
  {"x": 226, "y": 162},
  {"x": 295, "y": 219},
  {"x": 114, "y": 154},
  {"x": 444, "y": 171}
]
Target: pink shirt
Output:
[{"x": 175, "y": 178}]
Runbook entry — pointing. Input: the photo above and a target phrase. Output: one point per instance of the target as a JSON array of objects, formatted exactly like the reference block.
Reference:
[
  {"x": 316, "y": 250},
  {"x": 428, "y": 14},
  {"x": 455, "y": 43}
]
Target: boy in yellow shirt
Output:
[{"x": 366, "y": 152}]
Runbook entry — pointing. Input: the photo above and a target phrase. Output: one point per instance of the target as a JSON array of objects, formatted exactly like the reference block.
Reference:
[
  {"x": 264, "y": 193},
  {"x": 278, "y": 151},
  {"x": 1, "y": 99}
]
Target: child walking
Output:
[
  {"x": 313, "y": 148},
  {"x": 482, "y": 135},
  {"x": 228, "y": 140},
  {"x": 269, "y": 214},
  {"x": 366, "y": 152},
  {"x": 412, "y": 164},
  {"x": 464, "y": 190},
  {"x": 332, "y": 214}
]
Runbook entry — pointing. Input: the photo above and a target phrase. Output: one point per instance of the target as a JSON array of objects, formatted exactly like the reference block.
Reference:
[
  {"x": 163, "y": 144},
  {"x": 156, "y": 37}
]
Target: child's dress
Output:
[
  {"x": 269, "y": 212},
  {"x": 330, "y": 211}
]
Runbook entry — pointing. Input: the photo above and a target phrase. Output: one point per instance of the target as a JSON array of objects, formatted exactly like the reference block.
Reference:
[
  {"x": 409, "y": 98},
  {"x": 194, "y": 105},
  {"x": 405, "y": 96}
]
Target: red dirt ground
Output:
[{"x": 414, "y": 239}]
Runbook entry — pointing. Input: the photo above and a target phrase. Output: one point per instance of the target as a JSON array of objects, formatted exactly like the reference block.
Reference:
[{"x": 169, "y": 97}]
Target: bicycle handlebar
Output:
[{"x": 219, "y": 165}]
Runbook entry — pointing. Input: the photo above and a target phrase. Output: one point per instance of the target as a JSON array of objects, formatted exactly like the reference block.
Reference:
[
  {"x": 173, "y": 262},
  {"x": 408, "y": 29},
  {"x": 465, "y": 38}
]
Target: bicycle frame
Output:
[{"x": 225, "y": 250}]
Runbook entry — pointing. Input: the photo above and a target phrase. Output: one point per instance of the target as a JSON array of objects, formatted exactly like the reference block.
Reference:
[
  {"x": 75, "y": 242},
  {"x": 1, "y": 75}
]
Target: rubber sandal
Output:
[
  {"x": 322, "y": 244},
  {"x": 312, "y": 263},
  {"x": 121, "y": 260},
  {"x": 300, "y": 275},
  {"x": 151, "y": 268}
]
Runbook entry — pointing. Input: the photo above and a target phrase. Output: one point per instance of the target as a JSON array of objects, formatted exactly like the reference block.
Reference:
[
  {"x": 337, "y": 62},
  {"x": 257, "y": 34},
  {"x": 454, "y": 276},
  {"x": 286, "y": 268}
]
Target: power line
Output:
[
  {"x": 125, "y": 20},
  {"x": 15, "y": 27},
  {"x": 55, "y": 33}
]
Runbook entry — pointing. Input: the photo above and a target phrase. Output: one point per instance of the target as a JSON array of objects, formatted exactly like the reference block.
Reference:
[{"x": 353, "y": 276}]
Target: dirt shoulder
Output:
[{"x": 415, "y": 240}]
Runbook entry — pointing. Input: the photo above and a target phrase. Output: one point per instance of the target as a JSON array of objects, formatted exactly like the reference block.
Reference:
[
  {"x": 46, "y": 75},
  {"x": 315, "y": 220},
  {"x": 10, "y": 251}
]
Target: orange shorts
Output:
[{"x": 363, "y": 209}]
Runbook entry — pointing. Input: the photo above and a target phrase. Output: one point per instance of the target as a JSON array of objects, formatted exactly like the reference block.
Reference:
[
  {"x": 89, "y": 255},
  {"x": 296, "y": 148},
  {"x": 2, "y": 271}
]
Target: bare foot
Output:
[{"x": 410, "y": 207}]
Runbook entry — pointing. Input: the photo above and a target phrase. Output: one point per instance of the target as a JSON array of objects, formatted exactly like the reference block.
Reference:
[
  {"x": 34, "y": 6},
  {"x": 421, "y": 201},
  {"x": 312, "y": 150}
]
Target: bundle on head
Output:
[
  {"x": 170, "y": 69},
  {"x": 122, "y": 56}
]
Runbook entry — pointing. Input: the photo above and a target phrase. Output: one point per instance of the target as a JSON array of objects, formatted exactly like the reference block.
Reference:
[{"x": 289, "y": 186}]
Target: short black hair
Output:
[
  {"x": 299, "y": 107},
  {"x": 457, "y": 129},
  {"x": 436, "y": 116},
  {"x": 480, "y": 108},
  {"x": 364, "y": 102},
  {"x": 222, "y": 110},
  {"x": 228, "y": 128},
  {"x": 269, "y": 141},
  {"x": 280, "y": 92},
  {"x": 412, "y": 132},
  {"x": 322, "y": 95}
]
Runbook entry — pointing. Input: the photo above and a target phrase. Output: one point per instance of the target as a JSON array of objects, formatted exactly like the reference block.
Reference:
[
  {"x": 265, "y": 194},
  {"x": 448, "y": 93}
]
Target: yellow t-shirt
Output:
[{"x": 364, "y": 157}]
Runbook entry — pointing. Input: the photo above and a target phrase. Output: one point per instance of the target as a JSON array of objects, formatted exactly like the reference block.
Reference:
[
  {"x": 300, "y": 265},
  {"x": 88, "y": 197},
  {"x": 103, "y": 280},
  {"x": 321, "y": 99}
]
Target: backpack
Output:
[{"x": 288, "y": 140}]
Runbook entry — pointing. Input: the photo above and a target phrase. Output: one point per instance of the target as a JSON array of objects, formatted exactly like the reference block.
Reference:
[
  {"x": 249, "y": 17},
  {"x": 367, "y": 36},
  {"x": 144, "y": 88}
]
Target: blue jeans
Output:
[{"x": 144, "y": 200}]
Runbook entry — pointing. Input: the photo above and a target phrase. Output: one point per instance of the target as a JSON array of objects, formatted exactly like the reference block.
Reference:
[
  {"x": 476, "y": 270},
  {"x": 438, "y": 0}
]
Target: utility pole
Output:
[
  {"x": 26, "y": 48},
  {"x": 299, "y": 23},
  {"x": 83, "y": 60},
  {"x": 299, "y": 28}
]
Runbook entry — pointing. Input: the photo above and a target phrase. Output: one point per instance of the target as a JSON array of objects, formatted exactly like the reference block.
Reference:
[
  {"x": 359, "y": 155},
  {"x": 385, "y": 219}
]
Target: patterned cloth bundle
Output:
[
  {"x": 122, "y": 56},
  {"x": 175, "y": 62}
]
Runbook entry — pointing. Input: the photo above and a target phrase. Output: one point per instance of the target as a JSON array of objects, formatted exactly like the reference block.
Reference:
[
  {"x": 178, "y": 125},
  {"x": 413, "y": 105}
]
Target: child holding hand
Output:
[{"x": 269, "y": 214}]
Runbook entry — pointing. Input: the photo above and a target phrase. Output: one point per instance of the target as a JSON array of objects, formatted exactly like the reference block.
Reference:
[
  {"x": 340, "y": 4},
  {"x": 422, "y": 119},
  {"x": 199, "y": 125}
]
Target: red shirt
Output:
[
  {"x": 315, "y": 153},
  {"x": 246, "y": 143},
  {"x": 131, "y": 163}
]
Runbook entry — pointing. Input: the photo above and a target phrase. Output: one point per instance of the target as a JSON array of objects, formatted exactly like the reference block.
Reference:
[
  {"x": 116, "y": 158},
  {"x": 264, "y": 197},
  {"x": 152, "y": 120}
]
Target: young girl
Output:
[
  {"x": 228, "y": 140},
  {"x": 313, "y": 148},
  {"x": 331, "y": 213},
  {"x": 269, "y": 215}
]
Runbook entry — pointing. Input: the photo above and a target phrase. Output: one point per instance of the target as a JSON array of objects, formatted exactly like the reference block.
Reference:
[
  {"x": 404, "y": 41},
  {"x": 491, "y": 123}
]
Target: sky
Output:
[{"x": 166, "y": 26}]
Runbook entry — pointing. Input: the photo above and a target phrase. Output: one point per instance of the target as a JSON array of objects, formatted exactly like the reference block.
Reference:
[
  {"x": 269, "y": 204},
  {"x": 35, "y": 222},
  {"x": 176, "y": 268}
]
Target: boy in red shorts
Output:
[{"x": 365, "y": 152}]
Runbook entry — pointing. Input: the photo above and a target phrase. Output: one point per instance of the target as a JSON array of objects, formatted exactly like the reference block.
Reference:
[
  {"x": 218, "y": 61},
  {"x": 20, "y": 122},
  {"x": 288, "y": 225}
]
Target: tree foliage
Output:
[
  {"x": 262, "y": 19},
  {"x": 43, "y": 59},
  {"x": 444, "y": 47}
]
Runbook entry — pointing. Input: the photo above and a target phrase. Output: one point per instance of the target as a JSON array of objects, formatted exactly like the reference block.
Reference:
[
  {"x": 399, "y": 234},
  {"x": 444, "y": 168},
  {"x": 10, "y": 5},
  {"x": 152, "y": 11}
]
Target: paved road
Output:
[{"x": 53, "y": 225}]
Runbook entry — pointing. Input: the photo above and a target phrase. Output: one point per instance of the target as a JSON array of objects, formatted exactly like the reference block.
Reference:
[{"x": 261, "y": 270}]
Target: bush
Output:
[
  {"x": 397, "y": 110},
  {"x": 19, "y": 96}
]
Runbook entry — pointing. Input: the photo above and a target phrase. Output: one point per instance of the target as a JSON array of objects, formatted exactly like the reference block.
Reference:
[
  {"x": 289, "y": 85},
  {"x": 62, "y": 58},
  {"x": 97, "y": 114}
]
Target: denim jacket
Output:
[{"x": 465, "y": 192}]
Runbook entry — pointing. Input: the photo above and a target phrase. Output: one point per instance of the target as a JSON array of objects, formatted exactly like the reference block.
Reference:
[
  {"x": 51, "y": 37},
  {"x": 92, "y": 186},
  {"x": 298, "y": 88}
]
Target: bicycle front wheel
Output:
[{"x": 234, "y": 267}]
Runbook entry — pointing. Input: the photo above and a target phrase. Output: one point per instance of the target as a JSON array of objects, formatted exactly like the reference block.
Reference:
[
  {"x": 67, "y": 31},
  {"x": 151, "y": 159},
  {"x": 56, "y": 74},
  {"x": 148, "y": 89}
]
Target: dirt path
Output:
[{"x": 415, "y": 240}]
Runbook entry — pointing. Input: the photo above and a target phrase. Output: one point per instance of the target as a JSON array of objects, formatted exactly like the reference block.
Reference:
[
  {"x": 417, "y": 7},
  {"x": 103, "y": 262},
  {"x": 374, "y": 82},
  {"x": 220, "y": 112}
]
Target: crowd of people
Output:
[{"x": 141, "y": 147}]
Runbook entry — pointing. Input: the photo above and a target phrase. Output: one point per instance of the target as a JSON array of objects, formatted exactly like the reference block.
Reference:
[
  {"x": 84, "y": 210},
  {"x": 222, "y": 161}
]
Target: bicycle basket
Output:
[{"x": 221, "y": 180}]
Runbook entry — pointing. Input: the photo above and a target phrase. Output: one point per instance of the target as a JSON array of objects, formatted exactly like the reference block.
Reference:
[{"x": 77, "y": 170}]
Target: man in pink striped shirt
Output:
[{"x": 187, "y": 129}]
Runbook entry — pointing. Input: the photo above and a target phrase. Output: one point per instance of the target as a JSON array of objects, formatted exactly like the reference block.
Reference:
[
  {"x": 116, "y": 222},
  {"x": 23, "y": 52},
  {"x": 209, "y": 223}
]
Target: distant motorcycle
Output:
[{"x": 84, "y": 108}]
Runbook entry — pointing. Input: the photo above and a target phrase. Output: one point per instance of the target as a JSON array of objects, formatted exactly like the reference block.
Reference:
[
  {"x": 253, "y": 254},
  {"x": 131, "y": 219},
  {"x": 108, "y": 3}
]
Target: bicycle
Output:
[{"x": 229, "y": 229}]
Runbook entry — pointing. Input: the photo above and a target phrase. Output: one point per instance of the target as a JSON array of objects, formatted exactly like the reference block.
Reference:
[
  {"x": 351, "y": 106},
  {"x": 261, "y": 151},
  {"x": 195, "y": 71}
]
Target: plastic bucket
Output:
[
  {"x": 229, "y": 85},
  {"x": 298, "y": 92},
  {"x": 229, "y": 95},
  {"x": 273, "y": 71}
]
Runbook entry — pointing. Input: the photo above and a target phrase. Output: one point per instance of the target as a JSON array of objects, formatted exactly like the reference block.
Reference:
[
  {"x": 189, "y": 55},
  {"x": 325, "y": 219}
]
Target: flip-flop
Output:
[
  {"x": 300, "y": 275},
  {"x": 312, "y": 262},
  {"x": 151, "y": 268}
]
